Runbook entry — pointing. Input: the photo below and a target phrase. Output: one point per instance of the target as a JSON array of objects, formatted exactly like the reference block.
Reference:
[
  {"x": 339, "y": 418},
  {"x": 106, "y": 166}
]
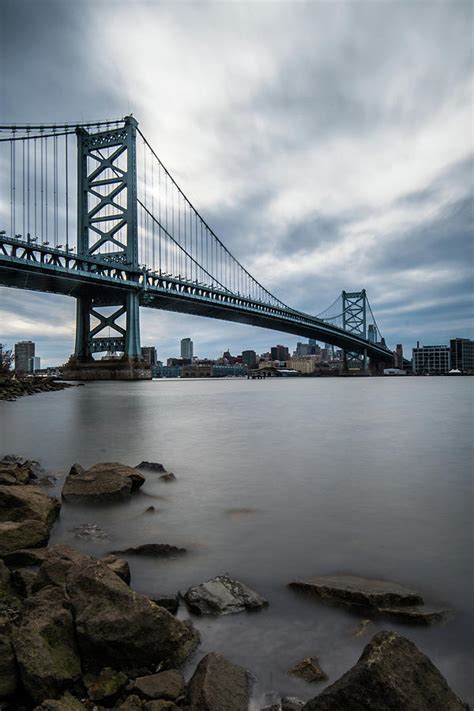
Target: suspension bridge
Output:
[{"x": 90, "y": 211}]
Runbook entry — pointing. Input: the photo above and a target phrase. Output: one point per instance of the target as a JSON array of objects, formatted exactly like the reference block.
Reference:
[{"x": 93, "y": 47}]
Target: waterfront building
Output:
[
  {"x": 226, "y": 371},
  {"x": 462, "y": 355},
  {"x": 149, "y": 355},
  {"x": 35, "y": 364},
  {"x": 303, "y": 365},
  {"x": 186, "y": 349},
  {"x": 280, "y": 353},
  {"x": 24, "y": 352},
  {"x": 372, "y": 333},
  {"x": 197, "y": 370},
  {"x": 431, "y": 360},
  {"x": 166, "y": 371},
  {"x": 249, "y": 359}
]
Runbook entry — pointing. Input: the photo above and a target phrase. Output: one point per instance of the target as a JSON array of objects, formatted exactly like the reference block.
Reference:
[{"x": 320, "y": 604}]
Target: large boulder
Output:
[
  {"x": 19, "y": 503},
  {"x": 218, "y": 685},
  {"x": 118, "y": 627},
  {"x": 391, "y": 674},
  {"x": 65, "y": 703},
  {"x": 8, "y": 668},
  {"x": 45, "y": 645},
  {"x": 107, "y": 482},
  {"x": 57, "y": 562},
  {"x": 222, "y": 596},
  {"x": 14, "y": 535},
  {"x": 164, "y": 685}
]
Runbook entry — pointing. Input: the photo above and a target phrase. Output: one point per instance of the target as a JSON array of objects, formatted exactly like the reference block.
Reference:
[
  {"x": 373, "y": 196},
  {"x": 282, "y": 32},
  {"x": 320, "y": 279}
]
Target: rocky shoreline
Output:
[
  {"x": 74, "y": 635},
  {"x": 13, "y": 388}
]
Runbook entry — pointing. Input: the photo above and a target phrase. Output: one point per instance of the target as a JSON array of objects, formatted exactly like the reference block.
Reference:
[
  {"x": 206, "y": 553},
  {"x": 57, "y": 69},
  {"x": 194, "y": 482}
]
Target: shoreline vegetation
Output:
[{"x": 75, "y": 636}]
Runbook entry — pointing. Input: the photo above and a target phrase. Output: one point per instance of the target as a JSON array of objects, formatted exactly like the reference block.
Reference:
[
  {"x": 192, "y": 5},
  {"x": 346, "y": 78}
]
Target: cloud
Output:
[{"x": 328, "y": 144}]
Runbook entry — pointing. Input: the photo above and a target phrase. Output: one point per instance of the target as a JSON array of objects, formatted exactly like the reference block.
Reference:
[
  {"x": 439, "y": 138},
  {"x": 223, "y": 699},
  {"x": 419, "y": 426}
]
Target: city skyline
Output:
[{"x": 310, "y": 202}]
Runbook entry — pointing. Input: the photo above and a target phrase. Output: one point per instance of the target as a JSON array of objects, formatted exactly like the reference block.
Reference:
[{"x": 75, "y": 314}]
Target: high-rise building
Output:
[
  {"x": 279, "y": 353},
  {"x": 249, "y": 358},
  {"x": 398, "y": 356},
  {"x": 462, "y": 355},
  {"x": 431, "y": 359},
  {"x": 303, "y": 349},
  {"x": 24, "y": 352},
  {"x": 35, "y": 364},
  {"x": 149, "y": 355},
  {"x": 186, "y": 349}
]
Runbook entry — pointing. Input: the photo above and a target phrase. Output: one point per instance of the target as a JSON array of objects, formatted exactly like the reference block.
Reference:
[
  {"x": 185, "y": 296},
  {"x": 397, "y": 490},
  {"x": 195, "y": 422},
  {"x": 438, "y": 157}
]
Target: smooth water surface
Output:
[{"x": 278, "y": 479}]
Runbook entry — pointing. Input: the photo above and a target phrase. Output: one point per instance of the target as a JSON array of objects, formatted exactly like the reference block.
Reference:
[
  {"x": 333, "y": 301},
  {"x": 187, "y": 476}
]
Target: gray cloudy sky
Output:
[{"x": 328, "y": 143}]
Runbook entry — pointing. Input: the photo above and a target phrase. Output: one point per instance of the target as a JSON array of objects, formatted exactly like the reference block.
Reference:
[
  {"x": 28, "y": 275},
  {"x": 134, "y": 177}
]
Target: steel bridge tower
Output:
[
  {"x": 354, "y": 320},
  {"x": 107, "y": 230}
]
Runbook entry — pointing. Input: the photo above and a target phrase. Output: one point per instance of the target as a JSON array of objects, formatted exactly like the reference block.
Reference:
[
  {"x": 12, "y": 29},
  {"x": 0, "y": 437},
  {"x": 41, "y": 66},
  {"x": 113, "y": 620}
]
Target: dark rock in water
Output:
[
  {"x": 162, "y": 550},
  {"x": 118, "y": 566},
  {"x": 121, "y": 628},
  {"x": 65, "y": 703},
  {"x": 47, "y": 481},
  {"x": 352, "y": 590},
  {"x": 14, "y": 473},
  {"x": 218, "y": 685},
  {"x": 169, "y": 602},
  {"x": 45, "y": 645},
  {"x": 91, "y": 532},
  {"x": 151, "y": 466},
  {"x": 291, "y": 703},
  {"x": 169, "y": 476},
  {"x": 222, "y": 596},
  {"x": 26, "y": 556},
  {"x": 107, "y": 482},
  {"x": 19, "y": 503},
  {"x": 22, "y": 534},
  {"x": 391, "y": 674},
  {"x": 105, "y": 686},
  {"x": 416, "y": 615},
  {"x": 309, "y": 670},
  {"x": 379, "y": 597},
  {"x": 164, "y": 685},
  {"x": 150, "y": 509},
  {"x": 8, "y": 667}
]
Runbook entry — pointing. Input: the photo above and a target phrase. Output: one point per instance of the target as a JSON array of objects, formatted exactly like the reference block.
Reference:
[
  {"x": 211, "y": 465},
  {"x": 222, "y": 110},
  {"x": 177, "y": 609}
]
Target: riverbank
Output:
[
  {"x": 75, "y": 635},
  {"x": 13, "y": 388}
]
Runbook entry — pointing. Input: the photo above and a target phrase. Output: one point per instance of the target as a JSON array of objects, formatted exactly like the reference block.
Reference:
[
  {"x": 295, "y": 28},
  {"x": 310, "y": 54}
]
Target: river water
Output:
[{"x": 280, "y": 479}]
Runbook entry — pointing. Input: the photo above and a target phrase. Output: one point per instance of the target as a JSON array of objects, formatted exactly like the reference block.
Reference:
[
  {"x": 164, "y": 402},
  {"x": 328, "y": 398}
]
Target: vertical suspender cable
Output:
[
  {"x": 28, "y": 187},
  {"x": 153, "y": 213},
  {"x": 23, "y": 187},
  {"x": 12, "y": 188},
  {"x": 46, "y": 187},
  {"x": 35, "y": 186},
  {"x": 66, "y": 170}
]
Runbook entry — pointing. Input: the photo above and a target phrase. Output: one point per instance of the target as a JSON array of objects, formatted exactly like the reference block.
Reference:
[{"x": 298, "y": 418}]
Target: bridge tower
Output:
[
  {"x": 354, "y": 320},
  {"x": 108, "y": 231}
]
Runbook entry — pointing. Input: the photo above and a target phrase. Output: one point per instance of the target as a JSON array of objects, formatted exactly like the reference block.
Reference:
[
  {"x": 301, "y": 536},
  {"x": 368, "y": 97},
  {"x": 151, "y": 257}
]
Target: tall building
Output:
[
  {"x": 149, "y": 355},
  {"x": 249, "y": 358},
  {"x": 303, "y": 349},
  {"x": 462, "y": 355},
  {"x": 398, "y": 356},
  {"x": 431, "y": 360},
  {"x": 280, "y": 352},
  {"x": 186, "y": 349},
  {"x": 24, "y": 352},
  {"x": 35, "y": 364}
]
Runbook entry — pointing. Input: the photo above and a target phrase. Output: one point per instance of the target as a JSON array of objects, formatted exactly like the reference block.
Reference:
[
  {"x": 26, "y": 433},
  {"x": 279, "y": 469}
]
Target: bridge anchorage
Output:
[{"x": 113, "y": 229}]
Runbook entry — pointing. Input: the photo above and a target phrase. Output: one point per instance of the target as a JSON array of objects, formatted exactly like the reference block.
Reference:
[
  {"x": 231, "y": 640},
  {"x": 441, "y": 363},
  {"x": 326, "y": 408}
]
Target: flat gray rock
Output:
[
  {"x": 222, "y": 596},
  {"x": 352, "y": 590}
]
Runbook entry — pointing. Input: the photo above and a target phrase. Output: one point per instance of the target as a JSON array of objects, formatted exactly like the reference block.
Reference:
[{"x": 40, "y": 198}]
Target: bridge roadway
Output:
[{"x": 43, "y": 268}]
